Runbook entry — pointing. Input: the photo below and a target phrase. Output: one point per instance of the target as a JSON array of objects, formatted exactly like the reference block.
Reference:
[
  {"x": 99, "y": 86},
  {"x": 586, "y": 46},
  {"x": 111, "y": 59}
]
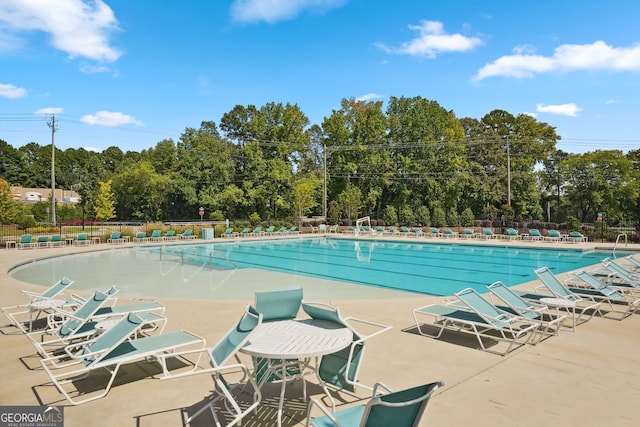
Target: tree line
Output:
[{"x": 413, "y": 163}]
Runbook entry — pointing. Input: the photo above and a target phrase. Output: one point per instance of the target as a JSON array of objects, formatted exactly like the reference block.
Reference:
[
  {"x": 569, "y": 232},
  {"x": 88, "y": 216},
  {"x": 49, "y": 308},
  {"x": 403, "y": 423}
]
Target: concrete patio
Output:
[{"x": 590, "y": 377}]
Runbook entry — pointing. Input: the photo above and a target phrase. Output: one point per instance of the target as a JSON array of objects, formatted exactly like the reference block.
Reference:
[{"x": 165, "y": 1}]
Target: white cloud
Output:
[
  {"x": 93, "y": 68},
  {"x": 49, "y": 110},
  {"x": 567, "y": 57},
  {"x": 277, "y": 10},
  {"x": 432, "y": 41},
  {"x": 368, "y": 97},
  {"x": 528, "y": 113},
  {"x": 80, "y": 28},
  {"x": 611, "y": 101},
  {"x": 11, "y": 91},
  {"x": 570, "y": 109},
  {"x": 109, "y": 119}
]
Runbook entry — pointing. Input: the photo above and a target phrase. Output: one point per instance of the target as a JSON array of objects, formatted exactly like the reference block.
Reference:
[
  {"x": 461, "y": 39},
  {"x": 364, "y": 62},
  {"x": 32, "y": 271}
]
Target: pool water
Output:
[
  {"x": 340, "y": 268},
  {"x": 437, "y": 269}
]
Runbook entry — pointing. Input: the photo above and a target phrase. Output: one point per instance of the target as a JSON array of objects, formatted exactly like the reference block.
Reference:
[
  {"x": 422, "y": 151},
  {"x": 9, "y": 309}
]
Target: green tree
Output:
[
  {"x": 103, "y": 204},
  {"x": 141, "y": 193},
  {"x": 356, "y": 143},
  {"x": 10, "y": 210},
  {"x": 270, "y": 140},
  {"x": 466, "y": 217},
  {"x": 600, "y": 181},
  {"x": 304, "y": 196},
  {"x": 429, "y": 152},
  {"x": 350, "y": 201}
]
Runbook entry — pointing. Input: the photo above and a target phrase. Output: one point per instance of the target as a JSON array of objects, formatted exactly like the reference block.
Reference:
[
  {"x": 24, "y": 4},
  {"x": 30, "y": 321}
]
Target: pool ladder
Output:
[{"x": 626, "y": 243}]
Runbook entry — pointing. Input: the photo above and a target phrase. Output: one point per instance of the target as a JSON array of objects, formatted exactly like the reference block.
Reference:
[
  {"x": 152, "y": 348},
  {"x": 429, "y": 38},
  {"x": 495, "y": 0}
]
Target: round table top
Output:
[
  {"x": 107, "y": 324},
  {"x": 297, "y": 339},
  {"x": 46, "y": 304},
  {"x": 557, "y": 302}
]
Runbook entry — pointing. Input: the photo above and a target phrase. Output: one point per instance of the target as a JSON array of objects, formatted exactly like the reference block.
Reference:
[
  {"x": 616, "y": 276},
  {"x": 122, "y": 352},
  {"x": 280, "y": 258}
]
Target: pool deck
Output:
[{"x": 590, "y": 377}]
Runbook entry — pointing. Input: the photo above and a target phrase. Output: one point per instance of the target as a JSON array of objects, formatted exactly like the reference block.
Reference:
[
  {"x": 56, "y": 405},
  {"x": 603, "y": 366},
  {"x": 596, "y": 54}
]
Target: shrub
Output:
[
  {"x": 438, "y": 217},
  {"x": 390, "y": 215}
]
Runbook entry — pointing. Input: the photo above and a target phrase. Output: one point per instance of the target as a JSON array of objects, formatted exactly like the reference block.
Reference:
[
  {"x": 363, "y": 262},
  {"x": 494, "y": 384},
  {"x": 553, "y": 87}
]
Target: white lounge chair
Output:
[
  {"x": 89, "y": 319},
  {"x": 108, "y": 352},
  {"x": 584, "y": 283},
  {"x": 39, "y": 303},
  {"x": 499, "y": 326},
  {"x": 533, "y": 311},
  {"x": 581, "y": 301}
]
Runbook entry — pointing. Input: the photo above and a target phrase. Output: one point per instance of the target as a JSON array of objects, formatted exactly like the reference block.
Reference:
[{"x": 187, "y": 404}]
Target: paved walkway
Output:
[{"x": 590, "y": 377}]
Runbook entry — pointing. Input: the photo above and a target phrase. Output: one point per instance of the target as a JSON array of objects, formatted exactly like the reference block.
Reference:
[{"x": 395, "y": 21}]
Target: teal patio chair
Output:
[
  {"x": 282, "y": 230},
  {"x": 42, "y": 241},
  {"x": 187, "y": 235},
  {"x": 107, "y": 353},
  {"x": 245, "y": 232},
  {"x": 220, "y": 357},
  {"x": 392, "y": 230},
  {"x": 170, "y": 235},
  {"x": 293, "y": 230},
  {"x": 156, "y": 236},
  {"x": 229, "y": 233},
  {"x": 116, "y": 237},
  {"x": 468, "y": 233},
  {"x": 512, "y": 234},
  {"x": 403, "y": 408},
  {"x": 487, "y": 233},
  {"x": 270, "y": 231},
  {"x": 340, "y": 369},
  {"x": 26, "y": 241},
  {"x": 56, "y": 240},
  {"x": 405, "y": 231},
  {"x": 449, "y": 233},
  {"x": 576, "y": 237},
  {"x": 82, "y": 239},
  {"x": 553, "y": 236},
  {"x": 140, "y": 237},
  {"x": 273, "y": 306},
  {"x": 534, "y": 234},
  {"x": 435, "y": 232}
]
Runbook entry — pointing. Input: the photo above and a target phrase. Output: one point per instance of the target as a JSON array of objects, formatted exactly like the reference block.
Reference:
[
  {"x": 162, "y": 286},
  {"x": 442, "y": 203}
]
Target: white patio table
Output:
[{"x": 300, "y": 339}]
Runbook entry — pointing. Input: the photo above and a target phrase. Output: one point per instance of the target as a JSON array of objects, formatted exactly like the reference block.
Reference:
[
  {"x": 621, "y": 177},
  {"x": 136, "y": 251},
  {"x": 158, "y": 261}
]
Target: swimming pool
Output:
[{"x": 338, "y": 267}]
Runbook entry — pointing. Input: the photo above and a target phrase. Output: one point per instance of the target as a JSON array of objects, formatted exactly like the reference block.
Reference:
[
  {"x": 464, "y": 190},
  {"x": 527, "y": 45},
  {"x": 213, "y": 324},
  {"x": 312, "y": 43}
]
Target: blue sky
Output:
[{"x": 131, "y": 73}]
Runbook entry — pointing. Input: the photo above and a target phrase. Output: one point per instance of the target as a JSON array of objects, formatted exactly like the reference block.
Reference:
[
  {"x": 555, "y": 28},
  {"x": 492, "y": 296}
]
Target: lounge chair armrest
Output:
[
  {"x": 381, "y": 328},
  {"x": 326, "y": 411},
  {"x": 378, "y": 385}
]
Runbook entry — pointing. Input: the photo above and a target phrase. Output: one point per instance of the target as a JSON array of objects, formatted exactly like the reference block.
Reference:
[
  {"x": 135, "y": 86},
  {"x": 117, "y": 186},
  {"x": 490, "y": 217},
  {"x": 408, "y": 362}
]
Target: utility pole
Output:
[
  {"x": 508, "y": 173},
  {"x": 324, "y": 189},
  {"x": 52, "y": 125}
]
